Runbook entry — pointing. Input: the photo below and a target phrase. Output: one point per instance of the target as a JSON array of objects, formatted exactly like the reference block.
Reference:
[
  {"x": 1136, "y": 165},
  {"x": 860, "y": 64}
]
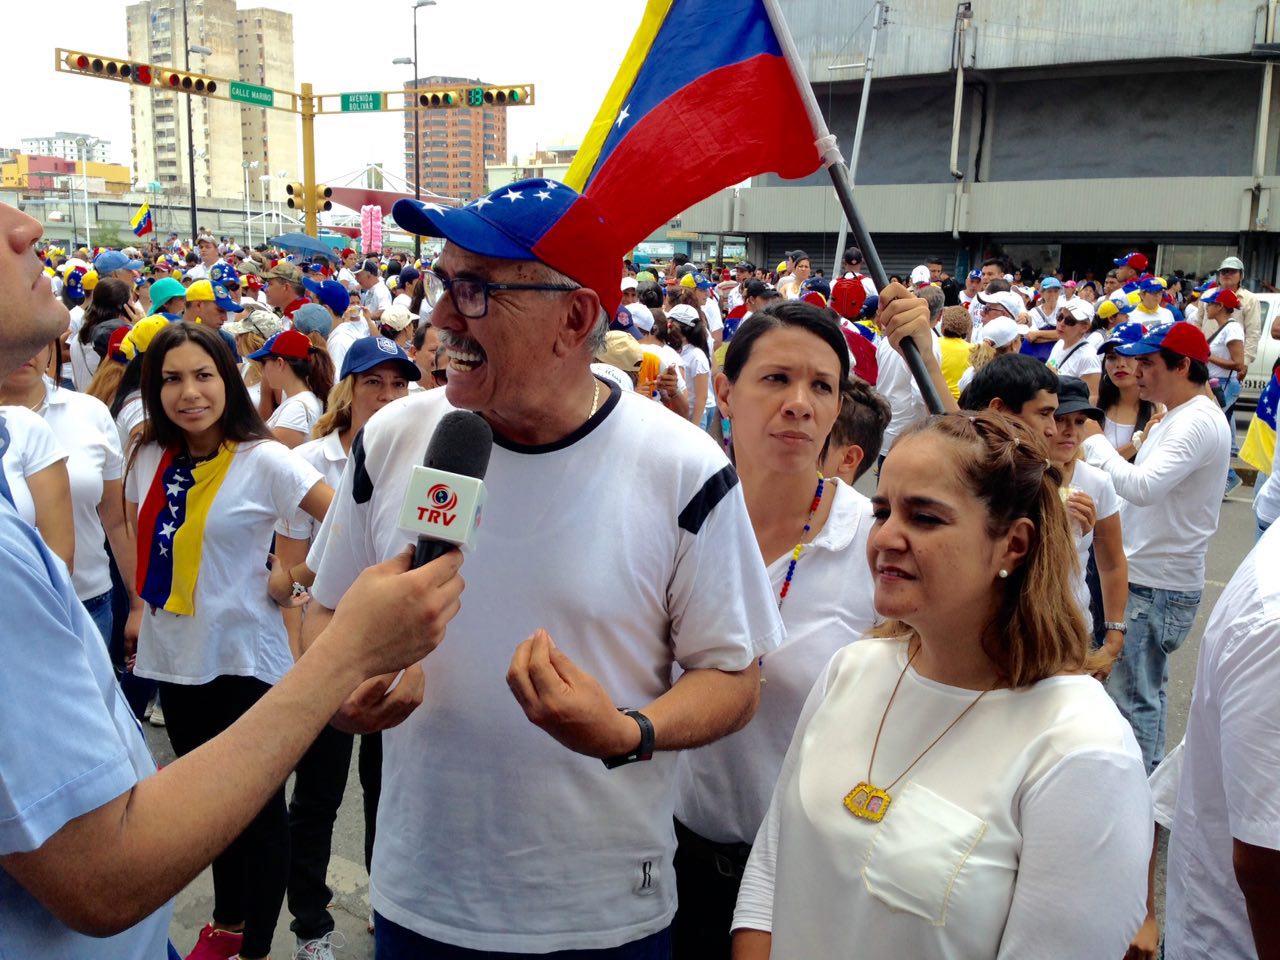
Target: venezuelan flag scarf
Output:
[{"x": 171, "y": 527}]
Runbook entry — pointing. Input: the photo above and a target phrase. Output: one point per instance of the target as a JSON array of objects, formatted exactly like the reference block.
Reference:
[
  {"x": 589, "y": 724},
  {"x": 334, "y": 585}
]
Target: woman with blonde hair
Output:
[
  {"x": 999, "y": 336},
  {"x": 957, "y": 784}
]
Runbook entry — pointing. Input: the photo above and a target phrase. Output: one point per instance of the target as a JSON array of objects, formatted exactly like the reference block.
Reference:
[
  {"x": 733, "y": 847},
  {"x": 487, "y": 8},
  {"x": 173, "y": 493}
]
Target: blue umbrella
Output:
[{"x": 304, "y": 244}]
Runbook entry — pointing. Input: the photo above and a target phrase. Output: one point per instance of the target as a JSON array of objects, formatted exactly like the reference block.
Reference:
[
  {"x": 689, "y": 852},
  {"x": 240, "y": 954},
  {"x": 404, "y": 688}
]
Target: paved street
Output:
[{"x": 346, "y": 870}]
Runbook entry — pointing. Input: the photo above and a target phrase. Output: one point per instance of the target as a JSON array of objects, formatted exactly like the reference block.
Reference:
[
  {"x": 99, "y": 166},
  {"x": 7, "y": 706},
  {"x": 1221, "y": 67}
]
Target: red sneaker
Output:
[{"x": 216, "y": 944}]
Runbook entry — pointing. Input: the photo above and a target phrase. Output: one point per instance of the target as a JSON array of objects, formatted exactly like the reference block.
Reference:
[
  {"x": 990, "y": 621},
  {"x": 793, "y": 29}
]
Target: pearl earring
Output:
[{"x": 1004, "y": 574}]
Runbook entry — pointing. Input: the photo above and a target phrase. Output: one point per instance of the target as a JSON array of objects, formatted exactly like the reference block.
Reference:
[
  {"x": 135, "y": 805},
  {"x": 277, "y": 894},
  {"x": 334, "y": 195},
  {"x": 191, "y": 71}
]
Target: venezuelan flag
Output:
[
  {"x": 709, "y": 94},
  {"x": 171, "y": 523},
  {"x": 141, "y": 222},
  {"x": 1259, "y": 447}
]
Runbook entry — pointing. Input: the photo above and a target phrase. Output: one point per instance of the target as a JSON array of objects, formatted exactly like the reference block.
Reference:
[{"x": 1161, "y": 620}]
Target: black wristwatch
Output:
[{"x": 644, "y": 751}]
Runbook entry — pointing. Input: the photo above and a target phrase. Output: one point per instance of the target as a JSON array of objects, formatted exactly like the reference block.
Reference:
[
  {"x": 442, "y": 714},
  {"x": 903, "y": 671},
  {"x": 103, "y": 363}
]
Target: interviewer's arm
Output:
[{"x": 103, "y": 872}]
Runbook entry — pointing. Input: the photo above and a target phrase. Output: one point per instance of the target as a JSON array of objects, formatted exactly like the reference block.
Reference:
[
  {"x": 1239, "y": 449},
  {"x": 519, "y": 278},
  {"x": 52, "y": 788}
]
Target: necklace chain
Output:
[
  {"x": 885, "y": 716},
  {"x": 595, "y": 400}
]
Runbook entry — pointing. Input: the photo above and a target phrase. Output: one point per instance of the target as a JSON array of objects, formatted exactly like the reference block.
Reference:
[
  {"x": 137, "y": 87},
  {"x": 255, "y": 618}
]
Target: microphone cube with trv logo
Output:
[{"x": 443, "y": 506}]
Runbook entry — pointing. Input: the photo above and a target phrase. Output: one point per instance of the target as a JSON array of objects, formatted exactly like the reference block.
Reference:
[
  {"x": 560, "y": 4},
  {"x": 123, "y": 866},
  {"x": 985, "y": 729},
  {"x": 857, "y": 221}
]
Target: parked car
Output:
[{"x": 1268, "y": 351}]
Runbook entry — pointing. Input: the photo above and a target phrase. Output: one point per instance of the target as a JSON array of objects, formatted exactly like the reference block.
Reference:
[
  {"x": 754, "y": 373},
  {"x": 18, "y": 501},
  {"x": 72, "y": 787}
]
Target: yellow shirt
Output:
[{"x": 955, "y": 361}]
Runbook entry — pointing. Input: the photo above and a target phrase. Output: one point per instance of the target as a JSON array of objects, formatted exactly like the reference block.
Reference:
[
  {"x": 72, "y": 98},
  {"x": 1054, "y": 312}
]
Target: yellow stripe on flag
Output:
[
  {"x": 140, "y": 215},
  {"x": 655, "y": 14},
  {"x": 1259, "y": 447},
  {"x": 188, "y": 542}
]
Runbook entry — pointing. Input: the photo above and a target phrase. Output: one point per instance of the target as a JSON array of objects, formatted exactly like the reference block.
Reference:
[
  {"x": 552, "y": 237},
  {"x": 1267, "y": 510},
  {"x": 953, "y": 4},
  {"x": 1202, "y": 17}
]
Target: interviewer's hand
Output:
[
  {"x": 1146, "y": 942},
  {"x": 566, "y": 702},
  {"x": 392, "y": 616}
]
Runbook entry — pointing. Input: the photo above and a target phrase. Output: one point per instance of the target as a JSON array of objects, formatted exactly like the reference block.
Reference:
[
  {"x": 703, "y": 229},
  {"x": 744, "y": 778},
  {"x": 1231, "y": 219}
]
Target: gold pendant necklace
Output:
[{"x": 866, "y": 801}]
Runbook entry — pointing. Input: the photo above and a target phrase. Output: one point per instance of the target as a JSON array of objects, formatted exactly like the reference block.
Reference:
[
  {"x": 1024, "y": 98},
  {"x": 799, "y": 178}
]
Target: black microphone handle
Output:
[{"x": 429, "y": 549}]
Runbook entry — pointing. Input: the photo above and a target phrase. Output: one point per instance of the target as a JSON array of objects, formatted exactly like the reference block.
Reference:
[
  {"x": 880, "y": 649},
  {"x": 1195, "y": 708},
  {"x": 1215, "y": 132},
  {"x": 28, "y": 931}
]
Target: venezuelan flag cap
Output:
[{"x": 540, "y": 220}]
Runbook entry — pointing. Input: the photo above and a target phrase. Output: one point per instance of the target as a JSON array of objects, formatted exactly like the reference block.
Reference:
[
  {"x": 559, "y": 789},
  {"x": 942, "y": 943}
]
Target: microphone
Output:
[{"x": 445, "y": 496}]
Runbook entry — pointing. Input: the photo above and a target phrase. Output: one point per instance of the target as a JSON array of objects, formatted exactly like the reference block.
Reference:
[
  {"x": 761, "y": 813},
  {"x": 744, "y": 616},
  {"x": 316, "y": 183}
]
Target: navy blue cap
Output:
[
  {"x": 1123, "y": 335},
  {"x": 369, "y": 352}
]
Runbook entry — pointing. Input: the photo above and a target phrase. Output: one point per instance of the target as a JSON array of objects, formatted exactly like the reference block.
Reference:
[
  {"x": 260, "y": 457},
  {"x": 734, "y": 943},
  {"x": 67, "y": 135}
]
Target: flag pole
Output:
[{"x": 839, "y": 173}]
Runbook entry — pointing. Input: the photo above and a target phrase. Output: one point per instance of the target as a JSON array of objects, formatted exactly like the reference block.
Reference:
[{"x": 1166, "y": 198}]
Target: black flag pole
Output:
[{"x": 844, "y": 192}]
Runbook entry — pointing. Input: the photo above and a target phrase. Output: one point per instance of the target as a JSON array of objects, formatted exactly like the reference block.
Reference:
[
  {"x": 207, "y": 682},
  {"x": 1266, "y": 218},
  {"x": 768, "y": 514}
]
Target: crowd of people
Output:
[{"x": 928, "y": 721}]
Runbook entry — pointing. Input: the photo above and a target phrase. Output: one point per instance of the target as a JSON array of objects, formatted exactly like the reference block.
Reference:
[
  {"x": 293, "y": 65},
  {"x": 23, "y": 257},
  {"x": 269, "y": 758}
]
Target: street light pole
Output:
[
  {"x": 248, "y": 230},
  {"x": 417, "y": 114},
  {"x": 82, "y": 145}
]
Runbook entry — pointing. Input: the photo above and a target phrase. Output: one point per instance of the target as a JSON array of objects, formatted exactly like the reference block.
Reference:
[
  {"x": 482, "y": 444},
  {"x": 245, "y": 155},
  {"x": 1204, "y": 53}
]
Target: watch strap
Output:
[
  {"x": 1120, "y": 627},
  {"x": 644, "y": 751}
]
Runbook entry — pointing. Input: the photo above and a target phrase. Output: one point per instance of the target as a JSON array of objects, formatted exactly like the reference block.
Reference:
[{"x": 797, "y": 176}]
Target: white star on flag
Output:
[
  {"x": 173, "y": 509},
  {"x": 551, "y": 184},
  {"x": 512, "y": 195},
  {"x": 543, "y": 195},
  {"x": 174, "y": 488},
  {"x": 622, "y": 117},
  {"x": 167, "y": 530},
  {"x": 482, "y": 203},
  {"x": 164, "y": 551}
]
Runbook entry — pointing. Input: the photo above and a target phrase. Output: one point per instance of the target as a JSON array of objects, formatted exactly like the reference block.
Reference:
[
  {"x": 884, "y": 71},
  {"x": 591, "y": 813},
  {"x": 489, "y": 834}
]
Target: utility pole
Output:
[
  {"x": 307, "y": 102},
  {"x": 880, "y": 17},
  {"x": 191, "y": 143}
]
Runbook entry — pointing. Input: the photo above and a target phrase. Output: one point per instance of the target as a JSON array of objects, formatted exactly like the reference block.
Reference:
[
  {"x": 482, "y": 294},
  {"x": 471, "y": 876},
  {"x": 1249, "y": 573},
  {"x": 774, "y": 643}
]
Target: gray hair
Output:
[
  {"x": 549, "y": 275},
  {"x": 935, "y": 298}
]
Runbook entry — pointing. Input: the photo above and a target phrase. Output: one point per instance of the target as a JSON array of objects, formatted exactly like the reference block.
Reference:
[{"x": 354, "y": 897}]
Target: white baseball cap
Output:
[
  {"x": 1002, "y": 331},
  {"x": 641, "y": 316},
  {"x": 629, "y": 283},
  {"x": 920, "y": 275}
]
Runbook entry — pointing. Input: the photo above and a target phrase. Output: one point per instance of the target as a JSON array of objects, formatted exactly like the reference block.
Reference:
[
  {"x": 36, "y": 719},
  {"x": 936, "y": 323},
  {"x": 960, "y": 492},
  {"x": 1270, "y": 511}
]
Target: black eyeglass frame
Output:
[{"x": 437, "y": 286}]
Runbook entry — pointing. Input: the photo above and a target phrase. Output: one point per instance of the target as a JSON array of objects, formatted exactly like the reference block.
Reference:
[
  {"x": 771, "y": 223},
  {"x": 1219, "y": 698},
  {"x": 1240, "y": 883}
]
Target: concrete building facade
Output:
[
  {"x": 457, "y": 143},
  {"x": 69, "y": 146},
  {"x": 255, "y": 45},
  {"x": 552, "y": 162},
  {"x": 1080, "y": 133}
]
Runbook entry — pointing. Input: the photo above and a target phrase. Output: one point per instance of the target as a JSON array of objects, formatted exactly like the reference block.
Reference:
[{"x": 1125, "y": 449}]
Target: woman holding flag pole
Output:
[{"x": 205, "y": 484}]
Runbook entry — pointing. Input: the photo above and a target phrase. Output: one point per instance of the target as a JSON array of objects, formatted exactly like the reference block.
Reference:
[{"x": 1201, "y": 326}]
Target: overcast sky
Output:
[{"x": 570, "y": 49}]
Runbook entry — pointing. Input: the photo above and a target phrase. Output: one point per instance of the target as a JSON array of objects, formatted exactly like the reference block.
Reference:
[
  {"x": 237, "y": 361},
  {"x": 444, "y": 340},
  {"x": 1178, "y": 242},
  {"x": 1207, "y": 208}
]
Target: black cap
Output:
[
  {"x": 1073, "y": 397},
  {"x": 755, "y": 288},
  {"x": 370, "y": 266}
]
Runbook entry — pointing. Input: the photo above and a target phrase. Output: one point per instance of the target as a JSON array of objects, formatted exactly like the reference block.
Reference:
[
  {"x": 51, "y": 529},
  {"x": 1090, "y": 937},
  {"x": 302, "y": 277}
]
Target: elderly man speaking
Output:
[{"x": 615, "y": 549}]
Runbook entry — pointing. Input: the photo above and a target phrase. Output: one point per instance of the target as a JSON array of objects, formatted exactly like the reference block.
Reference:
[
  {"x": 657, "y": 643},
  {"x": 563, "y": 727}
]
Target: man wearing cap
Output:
[
  {"x": 168, "y": 299},
  {"x": 972, "y": 284},
  {"x": 209, "y": 303},
  {"x": 348, "y": 324},
  {"x": 1130, "y": 268},
  {"x": 1150, "y": 311},
  {"x": 1172, "y": 493},
  {"x": 115, "y": 264},
  {"x": 1230, "y": 277},
  {"x": 988, "y": 306},
  {"x": 207, "y": 248},
  {"x": 562, "y": 852},
  {"x": 409, "y": 278},
  {"x": 709, "y": 306},
  {"x": 285, "y": 291},
  {"x": 374, "y": 293},
  {"x": 1043, "y": 334}
]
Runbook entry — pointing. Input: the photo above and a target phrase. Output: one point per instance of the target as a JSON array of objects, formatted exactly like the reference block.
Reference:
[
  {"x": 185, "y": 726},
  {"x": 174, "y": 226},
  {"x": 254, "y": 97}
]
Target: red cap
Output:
[
  {"x": 290, "y": 343},
  {"x": 1186, "y": 339},
  {"x": 113, "y": 344},
  {"x": 347, "y": 252},
  {"x": 1225, "y": 297}
]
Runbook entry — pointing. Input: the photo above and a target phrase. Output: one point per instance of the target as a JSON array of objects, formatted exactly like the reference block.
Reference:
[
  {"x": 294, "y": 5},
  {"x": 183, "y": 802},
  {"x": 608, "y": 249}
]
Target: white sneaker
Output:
[
  {"x": 370, "y": 926},
  {"x": 321, "y": 949},
  {"x": 157, "y": 716}
]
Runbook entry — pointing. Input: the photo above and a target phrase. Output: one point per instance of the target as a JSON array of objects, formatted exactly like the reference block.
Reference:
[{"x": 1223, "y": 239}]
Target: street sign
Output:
[
  {"x": 253, "y": 94},
  {"x": 361, "y": 102}
]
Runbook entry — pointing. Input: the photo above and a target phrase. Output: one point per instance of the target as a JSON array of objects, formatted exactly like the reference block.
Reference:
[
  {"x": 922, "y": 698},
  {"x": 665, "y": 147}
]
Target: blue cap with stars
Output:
[{"x": 537, "y": 219}]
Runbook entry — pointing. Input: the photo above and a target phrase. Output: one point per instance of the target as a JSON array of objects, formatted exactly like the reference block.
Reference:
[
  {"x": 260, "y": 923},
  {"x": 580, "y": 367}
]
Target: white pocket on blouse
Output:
[{"x": 918, "y": 851}]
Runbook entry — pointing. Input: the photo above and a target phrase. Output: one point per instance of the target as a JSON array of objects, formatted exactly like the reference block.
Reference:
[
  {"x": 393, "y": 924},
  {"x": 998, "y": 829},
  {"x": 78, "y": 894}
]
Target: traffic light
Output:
[
  {"x": 321, "y": 200},
  {"x": 298, "y": 199},
  {"x": 107, "y": 67},
  {"x": 439, "y": 99},
  {"x": 516, "y": 96},
  {"x": 184, "y": 82},
  {"x": 297, "y": 195}
]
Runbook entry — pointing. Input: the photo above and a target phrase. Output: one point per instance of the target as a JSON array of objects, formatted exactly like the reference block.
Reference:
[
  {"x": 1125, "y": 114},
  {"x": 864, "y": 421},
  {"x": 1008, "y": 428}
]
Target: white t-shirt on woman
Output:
[
  {"x": 695, "y": 364},
  {"x": 1024, "y": 833},
  {"x": 724, "y": 787},
  {"x": 32, "y": 447},
  {"x": 236, "y": 629},
  {"x": 327, "y": 456},
  {"x": 1089, "y": 479},
  {"x": 1232, "y": 332},
  {"x": 85, "y": 430},
  {"x": 1079, "y": 360},
  {"x": 298, "y": 412}
]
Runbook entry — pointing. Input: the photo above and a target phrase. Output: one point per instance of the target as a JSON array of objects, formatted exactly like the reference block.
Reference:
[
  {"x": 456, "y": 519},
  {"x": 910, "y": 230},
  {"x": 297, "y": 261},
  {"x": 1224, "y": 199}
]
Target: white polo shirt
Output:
[
  {"x": 629, "y": 542},
  {"x": 896, "y": 385},
  {"x": 1228, "y": 786}
]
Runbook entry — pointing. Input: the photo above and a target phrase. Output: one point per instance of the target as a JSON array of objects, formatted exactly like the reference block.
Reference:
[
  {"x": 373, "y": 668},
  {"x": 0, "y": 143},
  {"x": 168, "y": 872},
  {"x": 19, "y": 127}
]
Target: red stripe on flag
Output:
[
  {"x": 148, "y": 512},
  {"x": 733, "y": 123}
]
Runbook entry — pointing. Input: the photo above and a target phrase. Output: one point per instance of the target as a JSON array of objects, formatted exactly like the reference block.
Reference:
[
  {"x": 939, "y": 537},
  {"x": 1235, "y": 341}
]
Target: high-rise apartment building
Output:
[
  {"x": 254, "y": 45},
  {"x": 69, "y": 146},
  {"x": 456, "y": 143}
]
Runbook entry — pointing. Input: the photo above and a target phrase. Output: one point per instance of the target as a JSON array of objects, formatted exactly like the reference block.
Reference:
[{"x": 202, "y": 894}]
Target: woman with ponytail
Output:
[
  {"x": 958, "y": 785},
  {"x": 299, "y": 368}
]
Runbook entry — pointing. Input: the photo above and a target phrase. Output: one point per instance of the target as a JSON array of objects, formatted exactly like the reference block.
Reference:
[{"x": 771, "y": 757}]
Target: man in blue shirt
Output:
[{"x": 93, "y": 841}]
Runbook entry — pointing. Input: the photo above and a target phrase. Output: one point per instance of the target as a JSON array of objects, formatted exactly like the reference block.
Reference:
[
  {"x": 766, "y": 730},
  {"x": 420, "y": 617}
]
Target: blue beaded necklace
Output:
[{"x": 795, "y": 554}]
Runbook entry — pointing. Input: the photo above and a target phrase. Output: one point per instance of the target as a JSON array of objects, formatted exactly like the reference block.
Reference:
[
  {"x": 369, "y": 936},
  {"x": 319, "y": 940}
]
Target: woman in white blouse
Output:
[
  {"x": 781, "y": 390},
  {"x": 958, "y": 786},
  {"x": 294, "y": 366},
  {"x": 1076, "y": 354}
]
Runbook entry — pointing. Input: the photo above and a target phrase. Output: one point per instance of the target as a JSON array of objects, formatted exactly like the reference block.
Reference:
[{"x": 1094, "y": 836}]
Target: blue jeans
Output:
[
  {"x": 99, "y": 609},
  {"x": 1259, "y": 528},
  {"x": 393, "y": 942},
  {"x": 1230, "y": 393},
  {"x": 1159, "y": 621}
]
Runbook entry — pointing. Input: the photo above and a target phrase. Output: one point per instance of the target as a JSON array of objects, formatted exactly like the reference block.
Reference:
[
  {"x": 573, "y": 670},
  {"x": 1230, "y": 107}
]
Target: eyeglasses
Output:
[
  {"x": 440, "y": 376},
  {"x": 471, "y": 297},
  {"x": 993, "y": 307},
  {"x": 1069, "y": 320}
]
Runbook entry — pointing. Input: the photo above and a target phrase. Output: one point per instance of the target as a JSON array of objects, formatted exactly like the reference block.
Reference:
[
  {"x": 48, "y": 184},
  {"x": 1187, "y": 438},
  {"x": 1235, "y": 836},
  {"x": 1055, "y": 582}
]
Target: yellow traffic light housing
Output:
[
  {"x": 297, "y": 196},
  {"x": 108, "y": 68}
]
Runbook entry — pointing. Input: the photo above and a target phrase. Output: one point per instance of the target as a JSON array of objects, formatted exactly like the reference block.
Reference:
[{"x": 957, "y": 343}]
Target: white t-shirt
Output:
[
  {"x": 84, "y": 361},
  {"x": 560, "y": 853},
  {"x": 711, "y": 310},
  {"x": 85, "y": 430},
  {"x": 32, "y": 447},
  {"x": 1232, "y": 332},
  {"x": 1228, "y": 785},
  {"x": 695, "y": 363},
  {"x": 993, "y": 845},
  {"x": 1267, "y": 503},
  {"x": 236, "y": 629},
  {"x": 132, "y": 414},
  {"x": 609, "y": 372},
  {"x": 402, "y": 300},
  {"x": 341, "y": 337},
  {"x": 895, "y": 384},
  {"x": 668, "y": 358},
  {"x": 1079, "y": 360},
  {"x": 348, "y": 280},
  {"x": 1089, "y": 479},
  {"x": 71, "y": 743},
  {"x": 298, "y": 412},
  {"x": 1117, "y": 434},
  {"x": 724, "y": 787},
  {"x": 377, "y": 297},
  {"x": 1172, "y": 493},
  {"x": 1152, "y": 318},
  {"x": 327, "y": 456}
]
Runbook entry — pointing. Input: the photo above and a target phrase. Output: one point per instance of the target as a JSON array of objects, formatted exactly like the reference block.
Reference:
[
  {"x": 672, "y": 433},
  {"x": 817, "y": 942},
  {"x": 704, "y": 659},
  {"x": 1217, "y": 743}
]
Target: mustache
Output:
[{"x": 454, "y": 341}]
